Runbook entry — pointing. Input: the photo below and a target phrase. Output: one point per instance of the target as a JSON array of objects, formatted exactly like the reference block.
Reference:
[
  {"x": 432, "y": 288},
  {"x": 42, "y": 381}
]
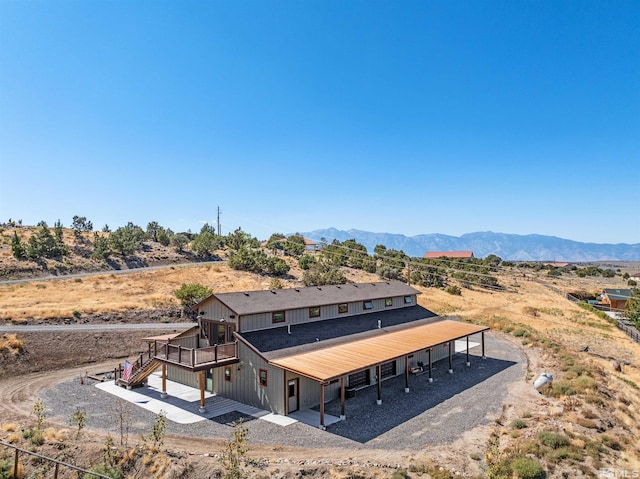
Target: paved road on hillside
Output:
[
  {"x": 109, "y": 271},
  {"x": 39, "y": 328}
]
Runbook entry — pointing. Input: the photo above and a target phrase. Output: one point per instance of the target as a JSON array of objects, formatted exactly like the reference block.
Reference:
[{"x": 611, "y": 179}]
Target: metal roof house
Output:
[
  {"x": 448, "y": 254},
  {"x": 289, "y": 349},
  {"x": 616, "y": 298}
]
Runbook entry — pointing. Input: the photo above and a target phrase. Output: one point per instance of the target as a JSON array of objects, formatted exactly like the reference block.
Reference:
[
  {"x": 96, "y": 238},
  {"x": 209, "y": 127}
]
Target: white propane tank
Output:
[{"x": 543, "y": 379}]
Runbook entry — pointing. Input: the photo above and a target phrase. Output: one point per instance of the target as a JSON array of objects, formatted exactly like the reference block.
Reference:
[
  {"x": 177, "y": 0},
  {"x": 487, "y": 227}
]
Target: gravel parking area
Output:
[{"x": 430, "y": 414}]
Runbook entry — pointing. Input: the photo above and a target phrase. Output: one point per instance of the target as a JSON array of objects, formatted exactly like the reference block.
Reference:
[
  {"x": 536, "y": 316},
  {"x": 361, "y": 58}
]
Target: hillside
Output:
[
  {"x": 590, "y": 414},
  {"x": 79, "y": 260},
  {"x": 507, "y": 246}
]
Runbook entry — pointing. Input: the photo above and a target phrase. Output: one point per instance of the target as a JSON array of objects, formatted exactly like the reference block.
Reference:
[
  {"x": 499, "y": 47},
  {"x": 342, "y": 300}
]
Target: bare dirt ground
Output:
[{"x": 599, "y": 421}]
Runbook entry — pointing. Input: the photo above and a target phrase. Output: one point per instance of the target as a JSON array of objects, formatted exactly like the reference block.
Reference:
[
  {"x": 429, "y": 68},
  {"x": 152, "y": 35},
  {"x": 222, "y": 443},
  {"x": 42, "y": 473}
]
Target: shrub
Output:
[
  {"x": 518, "y": 424},
  {"x": 588, "y": 423},
  {"x": 454, "y": 290},
  {"x": 400, "y": 474},
  {"x": 106, "y": 470},
  {"x": 611, "y": 442},
  {"x": 527, "y": 468},
  {"x": 552, "y": 439},
  {"x": 520, "y": 333}
]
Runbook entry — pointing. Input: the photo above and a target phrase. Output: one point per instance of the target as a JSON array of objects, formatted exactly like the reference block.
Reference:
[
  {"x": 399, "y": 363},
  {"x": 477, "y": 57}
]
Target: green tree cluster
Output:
[
  {"x": 127, "y": 240},
  {"x": 80, "y": 224},
  {"x": 632, "y": 307},
  {"x": 254, "y": 260},
  {"x": 322, "y": 272},
  {"x": 190, "y": 294},
  {"x": 42, "y": 244},
  {"x": 207, "y": 242}
]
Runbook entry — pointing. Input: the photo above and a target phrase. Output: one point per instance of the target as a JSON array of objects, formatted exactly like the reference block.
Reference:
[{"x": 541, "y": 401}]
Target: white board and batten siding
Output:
[{"x": 256, "y": 322}]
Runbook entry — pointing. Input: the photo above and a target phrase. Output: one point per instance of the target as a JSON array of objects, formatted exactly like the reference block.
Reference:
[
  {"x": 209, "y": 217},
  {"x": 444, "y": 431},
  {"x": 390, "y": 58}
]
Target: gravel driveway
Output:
[{"x": 430, "y": 414}]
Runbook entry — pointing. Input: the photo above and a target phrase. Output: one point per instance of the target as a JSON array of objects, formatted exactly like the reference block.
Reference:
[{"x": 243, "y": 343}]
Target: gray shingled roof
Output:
[
  {"x": 618, "y": 294},
  {"x": 276, "y": 342},
  {"x": 253, "y": 302}
]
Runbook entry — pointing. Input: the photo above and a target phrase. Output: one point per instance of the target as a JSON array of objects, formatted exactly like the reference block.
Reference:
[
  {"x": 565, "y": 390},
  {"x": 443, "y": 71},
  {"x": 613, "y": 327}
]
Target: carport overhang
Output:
[{"x": 337, "y": 362}]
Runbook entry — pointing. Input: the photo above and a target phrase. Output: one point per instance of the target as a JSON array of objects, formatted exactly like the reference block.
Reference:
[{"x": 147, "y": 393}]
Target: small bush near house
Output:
[{"x": 527, "y": 468}]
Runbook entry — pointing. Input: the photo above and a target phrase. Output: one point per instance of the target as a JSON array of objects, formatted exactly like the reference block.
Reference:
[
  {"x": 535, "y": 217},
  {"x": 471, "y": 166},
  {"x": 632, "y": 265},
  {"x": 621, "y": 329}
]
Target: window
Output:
[
  {"x": 388, "y": 302},
  {"x": 227, "y": 374},
  {"x": 278, "y": 317},
  {"x": 262, "y": 377},
  {"x": 314, "y": 312},
  {"x": 408, "y": 300},
  {"x": 343, "y": 308},
  {"x": 368, "y": 305}
]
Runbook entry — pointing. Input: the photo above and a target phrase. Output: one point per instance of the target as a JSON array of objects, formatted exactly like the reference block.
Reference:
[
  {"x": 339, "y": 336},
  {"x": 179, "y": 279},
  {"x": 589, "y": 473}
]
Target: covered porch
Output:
[{"x": 336, "y": 363}]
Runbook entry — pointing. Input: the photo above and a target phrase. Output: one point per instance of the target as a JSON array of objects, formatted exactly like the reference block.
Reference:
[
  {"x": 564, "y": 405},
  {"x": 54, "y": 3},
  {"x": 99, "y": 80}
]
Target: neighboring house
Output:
[
  {"x": 616, "y": 298},
  {"x": 310, "y": 245},
  {"x": 448, "y": 254},
  {"x": 635, "y": 277},
  {"x": 288, "y": 349}
]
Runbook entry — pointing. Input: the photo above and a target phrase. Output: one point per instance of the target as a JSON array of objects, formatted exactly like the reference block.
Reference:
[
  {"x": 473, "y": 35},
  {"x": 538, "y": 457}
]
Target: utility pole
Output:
[{"x": 219, "y": 221}]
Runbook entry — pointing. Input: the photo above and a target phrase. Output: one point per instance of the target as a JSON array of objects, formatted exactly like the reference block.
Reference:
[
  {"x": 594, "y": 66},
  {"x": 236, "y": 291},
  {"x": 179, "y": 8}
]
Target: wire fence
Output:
[{"x": 16, "y": 468}]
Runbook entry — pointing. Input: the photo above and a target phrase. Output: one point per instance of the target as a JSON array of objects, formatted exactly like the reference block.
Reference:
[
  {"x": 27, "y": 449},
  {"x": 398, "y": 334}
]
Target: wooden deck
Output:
[
  {"x": 173, "y": 351},
  {"x": 196, "y": 359}
]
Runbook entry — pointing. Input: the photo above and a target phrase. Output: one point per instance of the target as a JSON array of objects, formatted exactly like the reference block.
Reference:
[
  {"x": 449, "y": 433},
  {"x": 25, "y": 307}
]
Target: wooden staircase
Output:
[{"x": 142, "y": 369}]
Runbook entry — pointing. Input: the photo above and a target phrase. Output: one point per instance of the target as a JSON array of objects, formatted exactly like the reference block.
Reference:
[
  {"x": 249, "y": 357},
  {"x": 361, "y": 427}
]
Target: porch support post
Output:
[
  {"x": 468, "y": 362},
  {"x": 342, "y": 414},
  {"x": 379, "y": 370},
  {"x": 483, "y": 355},
  {"x": 430, "y": 367},
  {"x": 202, "y": 409},
  {"x": 322, "y": 426},
  {"x": 450, "y": 357},
  {"x": 163, "y": 394},
  {"x": 406, "y": 374}
]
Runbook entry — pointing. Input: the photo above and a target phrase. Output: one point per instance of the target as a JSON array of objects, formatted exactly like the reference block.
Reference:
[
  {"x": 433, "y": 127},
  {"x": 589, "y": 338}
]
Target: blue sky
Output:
[{"x": 388, "y": 116}]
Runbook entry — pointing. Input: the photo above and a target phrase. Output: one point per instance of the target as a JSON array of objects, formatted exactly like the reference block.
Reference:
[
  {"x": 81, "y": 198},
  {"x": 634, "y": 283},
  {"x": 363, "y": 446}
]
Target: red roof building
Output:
[{"x": 448, "y": 254}]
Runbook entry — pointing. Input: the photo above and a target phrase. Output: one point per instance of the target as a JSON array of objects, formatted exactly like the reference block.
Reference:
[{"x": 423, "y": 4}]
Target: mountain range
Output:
[{"x": 513, "y": 247}]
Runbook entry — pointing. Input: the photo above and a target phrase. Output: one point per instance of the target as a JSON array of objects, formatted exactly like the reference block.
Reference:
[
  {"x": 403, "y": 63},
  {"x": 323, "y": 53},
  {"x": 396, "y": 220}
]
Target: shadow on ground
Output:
[{"x": 366, "y": 420}]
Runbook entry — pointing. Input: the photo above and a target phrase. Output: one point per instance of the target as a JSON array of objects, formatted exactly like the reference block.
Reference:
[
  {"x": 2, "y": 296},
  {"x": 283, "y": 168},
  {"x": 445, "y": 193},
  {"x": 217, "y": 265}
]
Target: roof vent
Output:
[
  {"x": 355, "y": 285},
  {"x": 297, "y": 290},
  {"x": 373, "y": 284},
  {"x": 273, "y": 291},
  {"x": 319, "y": 288},
  {"x": 246, "y": 294},
  {"x": 338, "y": 286}
]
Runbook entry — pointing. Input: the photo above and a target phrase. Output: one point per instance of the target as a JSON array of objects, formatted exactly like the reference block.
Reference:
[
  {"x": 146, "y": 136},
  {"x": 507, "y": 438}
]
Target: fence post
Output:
[
  {"x": 15, "y": 464},
  {"x": 193, "y": 357}
]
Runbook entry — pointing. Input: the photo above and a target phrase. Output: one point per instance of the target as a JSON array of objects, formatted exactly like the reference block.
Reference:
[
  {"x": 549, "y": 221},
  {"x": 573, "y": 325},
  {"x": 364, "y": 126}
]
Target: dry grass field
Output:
[{"x": 587, "y": 422}]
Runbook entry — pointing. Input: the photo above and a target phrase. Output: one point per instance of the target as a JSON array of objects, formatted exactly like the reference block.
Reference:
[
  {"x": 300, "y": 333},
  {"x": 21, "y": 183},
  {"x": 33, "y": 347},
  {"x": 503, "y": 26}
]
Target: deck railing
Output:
[{"x": 193, "y": 357}]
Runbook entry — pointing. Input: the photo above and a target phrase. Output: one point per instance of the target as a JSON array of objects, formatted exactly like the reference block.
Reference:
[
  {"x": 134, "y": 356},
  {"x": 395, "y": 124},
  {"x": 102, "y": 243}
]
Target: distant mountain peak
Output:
[{"x": 513, "y": 247}]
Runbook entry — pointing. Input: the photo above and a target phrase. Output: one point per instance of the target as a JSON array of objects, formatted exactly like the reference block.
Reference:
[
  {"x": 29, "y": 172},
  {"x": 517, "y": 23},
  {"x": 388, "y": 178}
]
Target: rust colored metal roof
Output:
[
  {"x": 449, "y": 254},
  {"x": 342, "y": 359}
]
